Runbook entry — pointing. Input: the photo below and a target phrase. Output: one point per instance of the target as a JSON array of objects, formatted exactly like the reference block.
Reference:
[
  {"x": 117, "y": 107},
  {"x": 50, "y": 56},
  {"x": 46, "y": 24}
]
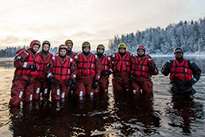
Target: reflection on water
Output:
[
  {"x": 7, "y": 63},
  {"x": 106, "y": 114}
]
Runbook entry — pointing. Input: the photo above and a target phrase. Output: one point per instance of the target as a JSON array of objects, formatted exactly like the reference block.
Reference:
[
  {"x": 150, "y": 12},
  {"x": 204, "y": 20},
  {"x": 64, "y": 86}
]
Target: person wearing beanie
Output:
[
  {"x": 142, "y": 68},
  {"x": 183, "y": 73},
  {"x": 121, "y": 68},
  {"x": 26, "y": 66},
  {"x": 106, "y": 68},
  {"x": 88, "y": 71},
  {"x": 42, "y": 84}
]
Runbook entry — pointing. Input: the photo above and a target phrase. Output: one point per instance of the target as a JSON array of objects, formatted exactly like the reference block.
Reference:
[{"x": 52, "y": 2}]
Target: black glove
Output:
[
  {"x": 103, "y": 72},
  {"x": 95, "y": 84},
  {"x": 73, "y": 87},
  {"x": 189, "y": 83},
  {"x": 54, "y": 81},
  {"x": 109, "y": 72},
  {"x": 69, "y": 82},
  {"x": 32, "y": 67},
  {"x": 151, "y": 68}
]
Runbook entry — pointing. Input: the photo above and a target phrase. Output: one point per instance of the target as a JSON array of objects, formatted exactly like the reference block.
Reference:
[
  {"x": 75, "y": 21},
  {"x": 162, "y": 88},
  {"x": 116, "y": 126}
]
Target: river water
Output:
[{"x": 106, "y": 114}]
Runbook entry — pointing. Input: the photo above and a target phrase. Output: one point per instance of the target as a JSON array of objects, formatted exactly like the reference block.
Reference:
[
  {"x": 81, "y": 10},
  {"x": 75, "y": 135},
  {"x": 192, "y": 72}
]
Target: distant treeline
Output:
[
  {"x": 11, "y": 51},
  {"x": 189, "y": 35}
]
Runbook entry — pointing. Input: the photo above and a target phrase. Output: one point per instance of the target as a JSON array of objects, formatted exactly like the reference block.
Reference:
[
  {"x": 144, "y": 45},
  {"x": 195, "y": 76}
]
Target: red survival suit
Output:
[
  {"x": 88, "y": 68},
  {"x": 141, "y": 70},
  {"x": 24, "y": 77},
  {"x": 42, "y": 84},
  {"x": 106, "y": 65},
  {"x": 121, "y": 71},
  {"x": 62, "y": 70}
]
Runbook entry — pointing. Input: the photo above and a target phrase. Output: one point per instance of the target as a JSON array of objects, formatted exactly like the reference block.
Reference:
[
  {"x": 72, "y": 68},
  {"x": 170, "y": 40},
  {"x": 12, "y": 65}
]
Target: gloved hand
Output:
[
  {"x": 109, "y": 72},
  {"x": 151, "y": 68},
  {"x": 95, "y": 84},
  {"x": 103, "y": 72},
  {"x": 54, "y": 81},
  {"x": 69, "y": 82},
  {"x": 32, "y": 67},
  {"x": 73, "y": 87},
  {"x": 189, "y": 83}
]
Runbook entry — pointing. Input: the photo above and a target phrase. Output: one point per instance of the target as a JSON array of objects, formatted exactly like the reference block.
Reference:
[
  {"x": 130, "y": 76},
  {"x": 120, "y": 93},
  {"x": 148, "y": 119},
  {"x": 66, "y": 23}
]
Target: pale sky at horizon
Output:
[{"x": 96, "y": 21}]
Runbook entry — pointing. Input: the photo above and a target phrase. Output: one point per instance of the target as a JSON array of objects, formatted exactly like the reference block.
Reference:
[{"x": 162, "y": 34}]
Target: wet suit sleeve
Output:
[
  {"x": 195, "y": 69},
  {"x": 110, "y": 64},
  {"x": 49, "y": 71},
  {"x": 152, "y": 67},
  {"x": 166, "y": 68},
  {"x": 20, "y": 60},
  {"x": 97, "y": 68},
  {"x": 73, "y": 70}
]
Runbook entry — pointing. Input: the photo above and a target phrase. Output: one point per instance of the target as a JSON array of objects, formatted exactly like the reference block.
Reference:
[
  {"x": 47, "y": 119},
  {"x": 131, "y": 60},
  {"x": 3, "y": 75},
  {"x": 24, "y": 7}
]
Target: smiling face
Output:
[
  {"x": 140, "y": 52},
  {"x": 36, "y": 47},
  {"x": 69, "y": 45},
  {"x": 46, "y": 47},
  {"x": 86, "y": 49},
  {"x": 178, "y": 55}
]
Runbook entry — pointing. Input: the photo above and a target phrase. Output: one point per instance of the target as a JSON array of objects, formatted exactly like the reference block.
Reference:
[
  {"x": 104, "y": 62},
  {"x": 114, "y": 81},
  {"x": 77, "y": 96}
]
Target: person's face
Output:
[
  {"x": 46, "y": 47},
  {"x": 86, "y": 49},
  {"x": 178, "y": 55},
  {"x": 36, "y": 48},
  {"x": 140, "y": 52},
  {"x": 122, "y": 50},
  {"x": 100, "y": 51},
  {"x": 69, "y": 46},
  {"x": 63, "y": 52}
]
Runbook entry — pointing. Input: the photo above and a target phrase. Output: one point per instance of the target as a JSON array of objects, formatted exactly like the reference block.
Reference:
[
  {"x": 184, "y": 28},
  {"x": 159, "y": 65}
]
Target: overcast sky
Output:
[{"x": 96, "y": 21}]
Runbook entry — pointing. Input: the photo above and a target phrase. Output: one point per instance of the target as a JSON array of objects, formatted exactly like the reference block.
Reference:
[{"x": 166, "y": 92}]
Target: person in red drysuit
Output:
[
  {"x": 63, "y": 74},
  {"x": 121, "y": 68},
  {"x": 106, "y": 68},
  {"x": 142, "y": 68},
  {"x": 42, "y": 83},
  {"x": 88, "y": 71},
  {"x": 69, "y": 44},
  {"x": 26, "y": 71}
]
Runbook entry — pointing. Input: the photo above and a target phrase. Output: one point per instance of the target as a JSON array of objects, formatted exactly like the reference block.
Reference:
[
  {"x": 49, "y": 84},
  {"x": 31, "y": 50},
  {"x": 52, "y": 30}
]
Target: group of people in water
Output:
[{"x": 86, "y": 73}]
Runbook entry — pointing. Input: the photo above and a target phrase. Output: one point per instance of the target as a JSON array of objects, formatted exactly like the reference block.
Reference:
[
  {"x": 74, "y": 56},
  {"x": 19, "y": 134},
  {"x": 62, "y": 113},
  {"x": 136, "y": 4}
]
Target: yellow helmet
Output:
[
  {"x": 101, "y": 46},
  {"x": 86, "y": 44},
  {"x": 69, "y": 41},
  {"x": 122, "y": 45}
]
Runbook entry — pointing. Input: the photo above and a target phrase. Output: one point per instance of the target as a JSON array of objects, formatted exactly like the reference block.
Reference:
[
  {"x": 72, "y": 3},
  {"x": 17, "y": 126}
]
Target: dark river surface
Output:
[{"x": 107, "y": 114}]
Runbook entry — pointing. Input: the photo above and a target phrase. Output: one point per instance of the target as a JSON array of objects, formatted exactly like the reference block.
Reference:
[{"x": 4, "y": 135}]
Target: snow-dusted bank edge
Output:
[{"x": 196, "y": 54}]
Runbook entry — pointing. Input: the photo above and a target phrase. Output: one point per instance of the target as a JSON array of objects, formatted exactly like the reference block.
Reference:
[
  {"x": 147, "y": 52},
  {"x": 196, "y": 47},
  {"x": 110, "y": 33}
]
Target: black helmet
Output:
[
  {"x": 178, "y": 50},
  {"x": 46, "y": 42}
]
